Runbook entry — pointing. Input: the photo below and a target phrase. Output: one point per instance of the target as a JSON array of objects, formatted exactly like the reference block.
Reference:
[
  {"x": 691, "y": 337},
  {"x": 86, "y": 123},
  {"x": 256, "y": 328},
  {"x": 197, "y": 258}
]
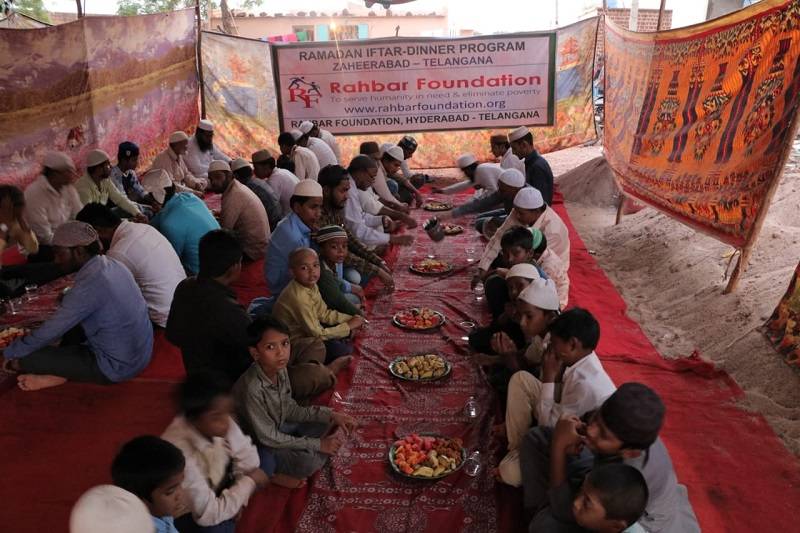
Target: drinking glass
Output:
[
  {"x": 30, "y": 291},
  {"x": 472, "y": 466}
]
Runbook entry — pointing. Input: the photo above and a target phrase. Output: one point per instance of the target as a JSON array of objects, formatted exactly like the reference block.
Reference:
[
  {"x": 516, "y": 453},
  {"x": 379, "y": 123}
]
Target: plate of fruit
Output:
[
  {"x": 426, "y": 456},
  {"x": 436, "y": 205},
  {"x": 453, "y": 229},
  {"x": 9, "y": 335},
  {"x": 418, "y": 319},
  {"x": 430, "y": 267},
  {"x": 421, "y": 367}
]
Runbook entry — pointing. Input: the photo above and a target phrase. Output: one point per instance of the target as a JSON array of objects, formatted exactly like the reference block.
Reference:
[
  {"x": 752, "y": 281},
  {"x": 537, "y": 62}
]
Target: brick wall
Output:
[{"x": 648, "y": 18}]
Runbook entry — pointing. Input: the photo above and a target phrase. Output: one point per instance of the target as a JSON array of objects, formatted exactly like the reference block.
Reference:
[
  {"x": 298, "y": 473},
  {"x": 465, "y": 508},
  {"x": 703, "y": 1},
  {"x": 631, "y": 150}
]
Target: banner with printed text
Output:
[
  {"x": 95, "y": 82},
  {"x": 697, "y": 120},
  {"x": 241, "y": 100}
]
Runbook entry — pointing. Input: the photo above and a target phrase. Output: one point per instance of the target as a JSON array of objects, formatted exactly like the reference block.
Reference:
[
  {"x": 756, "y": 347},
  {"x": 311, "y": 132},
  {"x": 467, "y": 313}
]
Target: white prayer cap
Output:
[
  {"x": 385, "y": 146},
  {"x": 524, "y": 270},
  {"x": 308, "y": 188},
  {"x": 110, "y": 509},
  {"x": 178, "y": 136},
  {"x": 205, "y": 125},
  {"x": 155, "y": 181},
  {"x": 528, "y": 198},
  {"x": 296, "y": 134},
  {"x": 96, "y": 157},
  {"x": 218, "y": 164},
  {"x": 238, "y": 163},
  {"x": 541, "y": 293},
  {"x": 58, "y": 161},
  {"x": 465, "y": 160},
  {"x": 512, "y": 177},
  {"x": 74, "y": 233},
  {"x": 518, "y": 133},
  {"x": 395, "y": 152},
  {"x": 306, "y": 126}
]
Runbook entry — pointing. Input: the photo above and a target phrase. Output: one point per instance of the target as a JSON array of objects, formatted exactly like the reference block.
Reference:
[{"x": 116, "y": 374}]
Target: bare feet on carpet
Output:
[
  {"x": 282, "y": 480},
  {"x": 340, "y": 364},
  {"x": 32, "y": 382}
]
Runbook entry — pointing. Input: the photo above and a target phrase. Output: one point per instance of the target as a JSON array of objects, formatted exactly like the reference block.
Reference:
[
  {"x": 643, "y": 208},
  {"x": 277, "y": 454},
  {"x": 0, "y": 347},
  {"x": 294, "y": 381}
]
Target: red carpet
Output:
[{"x": 58, "y": 442}]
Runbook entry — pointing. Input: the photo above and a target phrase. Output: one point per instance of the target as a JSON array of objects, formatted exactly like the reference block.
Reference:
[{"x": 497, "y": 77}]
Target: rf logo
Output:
[{"x": 306, "y": 92}]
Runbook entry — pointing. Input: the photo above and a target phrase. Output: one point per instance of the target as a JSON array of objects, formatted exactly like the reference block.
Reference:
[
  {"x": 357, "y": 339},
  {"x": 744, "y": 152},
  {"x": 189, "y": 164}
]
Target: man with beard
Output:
[
  {"x": 201, "y": 151},
  {"x": 173, "y": 162}
]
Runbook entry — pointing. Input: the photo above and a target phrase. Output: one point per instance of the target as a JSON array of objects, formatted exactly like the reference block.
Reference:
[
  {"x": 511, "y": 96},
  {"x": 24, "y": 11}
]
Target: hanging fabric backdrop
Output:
[
  {"x": 240, "y": 99},
  {"x": 93, "y": 83},
  {"x": 783, "y": 327},
  {"x": 698, "y": 119}
]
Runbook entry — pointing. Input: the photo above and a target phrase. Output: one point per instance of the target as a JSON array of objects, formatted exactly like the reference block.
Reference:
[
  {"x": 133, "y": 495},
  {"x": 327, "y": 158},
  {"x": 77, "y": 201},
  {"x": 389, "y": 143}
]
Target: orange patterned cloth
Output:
[
  {"x": 783, "y": 327},
  {"x": 698, "y": 119}
]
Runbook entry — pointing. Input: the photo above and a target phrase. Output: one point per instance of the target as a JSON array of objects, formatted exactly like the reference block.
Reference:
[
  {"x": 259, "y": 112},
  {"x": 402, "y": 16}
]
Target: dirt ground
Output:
[{"x": 672, "y": 280}]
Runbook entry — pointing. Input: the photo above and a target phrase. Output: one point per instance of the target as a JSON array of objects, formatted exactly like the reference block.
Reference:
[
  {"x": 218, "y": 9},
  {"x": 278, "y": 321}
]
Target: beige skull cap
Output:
[
  {"x": 96, "y": 157},
  {"x": 205, "y": 125},
  {"x": 178, "y": 136},
  {"x": 308, "y": 188},
  {"x": 74, "y": 233},
  {"x": 58, "y": 161},
  {"x": 218, "y": 164},
  {"x": 238, "y": 163},
  {"x": 518, "y": 133}
]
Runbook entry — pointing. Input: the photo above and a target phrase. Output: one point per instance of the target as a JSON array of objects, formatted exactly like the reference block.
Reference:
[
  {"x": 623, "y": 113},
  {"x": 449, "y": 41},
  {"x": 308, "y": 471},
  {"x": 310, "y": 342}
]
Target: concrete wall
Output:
[{"x": 717, "y": 8}]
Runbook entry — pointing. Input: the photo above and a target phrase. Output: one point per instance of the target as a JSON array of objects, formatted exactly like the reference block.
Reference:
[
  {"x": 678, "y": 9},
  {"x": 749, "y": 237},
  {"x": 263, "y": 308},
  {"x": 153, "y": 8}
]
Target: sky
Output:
[{"x": 510, "y": 15}]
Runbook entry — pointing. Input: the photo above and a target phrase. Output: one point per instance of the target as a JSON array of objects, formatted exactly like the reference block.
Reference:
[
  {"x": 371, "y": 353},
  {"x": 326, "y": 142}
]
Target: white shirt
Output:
[
  {"x": 509, "y": 160},
  {"x": 205, "y": 459},
  {"x": 197, "y": 161},
  {"x": 283, "y": 183},
  {"x": 361, "y": 224},
  {"x": 153, "y": 262},
  {"x": 380, "y": 186},
  {"x": 331, "y": 141},
  {"x": 584, "y": 387},
  {"x": 487, "y": 175},
  {"x": 325, "y": 155},
  {"x": 553, "y": 266},
  {"x": 46, "y": 208},
  {"x": 370, "y": 201},
  {"x": 554, "y": 229},
  {"x": 306, "y": 164},
  {"x": 405, "y": 169}
]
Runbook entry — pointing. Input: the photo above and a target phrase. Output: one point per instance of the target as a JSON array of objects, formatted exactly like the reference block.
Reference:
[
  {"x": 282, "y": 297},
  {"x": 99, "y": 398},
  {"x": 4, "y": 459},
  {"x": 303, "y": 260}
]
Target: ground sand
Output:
[{"x": 672, "y": 280}]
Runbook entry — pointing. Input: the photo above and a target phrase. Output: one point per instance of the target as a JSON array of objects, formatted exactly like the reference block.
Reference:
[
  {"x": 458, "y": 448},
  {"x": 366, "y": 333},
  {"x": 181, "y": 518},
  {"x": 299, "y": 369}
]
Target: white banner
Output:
[{"x": 405, "y": 85}]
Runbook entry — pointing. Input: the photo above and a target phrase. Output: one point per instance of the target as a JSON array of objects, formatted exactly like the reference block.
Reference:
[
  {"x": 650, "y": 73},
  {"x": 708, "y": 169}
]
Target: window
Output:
[
  {"x": 343, "y": 33},
  {"x": 304, "y": 33}
]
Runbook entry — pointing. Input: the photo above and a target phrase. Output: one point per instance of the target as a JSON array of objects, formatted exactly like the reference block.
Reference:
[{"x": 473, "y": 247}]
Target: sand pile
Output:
[{"x": 591, "y": 183}]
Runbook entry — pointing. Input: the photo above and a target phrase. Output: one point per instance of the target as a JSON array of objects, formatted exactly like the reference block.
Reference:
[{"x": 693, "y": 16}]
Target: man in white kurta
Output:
[
  {"x": 51, "y": 199},
  {"x": 202, "y": 150},
  {"x": 281, "y": 180}
]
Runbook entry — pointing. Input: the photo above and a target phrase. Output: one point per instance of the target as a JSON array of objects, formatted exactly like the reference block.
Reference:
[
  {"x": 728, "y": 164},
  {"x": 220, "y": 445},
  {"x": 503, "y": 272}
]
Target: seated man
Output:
[
  {"x": 389, "y": 166},
  {"x": 14, "y": 229},
  {"x": 242, "y": 212},
  {"x": 325, "y": 155},
  {"x": 124, "y": 177},
  {"x": 96, "y": 187},
  {"x": 416, "y": 180},
  {"x": 370, "y": 149},
  {"x": 299, "y": 438},
  {"x": 494, "y": 206},
  {"x": 201, "y": 150},
  {"x": 306, "y": 164},
  {"x": 330, "y": 140},
  {"x": 51, "y": 199},
  {"x": 300, "y": 306},
  {"x": 108, "y": 305},
  {"x": 280, "y": 180},
  {"x": 537, "y": 170},
  {"x": 147, "y": 254},
  {"x": 501, "y": 149},
  {"x": 243, "y": 173},
  {"x": 173, "y": 161},
  {"x": 183, "y": 218}
]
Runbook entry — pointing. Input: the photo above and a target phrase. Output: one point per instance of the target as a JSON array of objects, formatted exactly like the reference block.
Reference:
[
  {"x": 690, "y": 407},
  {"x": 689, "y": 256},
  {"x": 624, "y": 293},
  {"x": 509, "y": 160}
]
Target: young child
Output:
[
  {"x": 152, "y": 469},
  {"x": 301, "y": 307},
  {"x": 611, "y": 499},
  {"x": 332, "y": 241},
  {"x": 530, "y": 245},
  {"x": 569, "y": 361},
  {"x": 624, "y": 430},
  {"x": 299, "y": 438},
  {"x": 223, "y": 468}
]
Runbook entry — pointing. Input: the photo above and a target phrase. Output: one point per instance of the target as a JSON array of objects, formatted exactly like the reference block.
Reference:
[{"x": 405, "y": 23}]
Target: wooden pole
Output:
[
  {"x": 660, "y": 14},
  {"x": 200, "y": 60},
  {"x": 80, "y": 8},
  {"x": 620, "y": 208},
  {"x": 744, "y": 257}
]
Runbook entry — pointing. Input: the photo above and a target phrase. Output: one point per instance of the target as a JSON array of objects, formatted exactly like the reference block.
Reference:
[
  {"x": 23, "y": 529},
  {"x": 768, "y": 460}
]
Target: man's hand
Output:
[
  {"x": 409, "y": 222},
  {"x": 330, "y": 445},
  {"x": 355, "y": 322},
  {"x": 389, "y": 225},
  {"x": 401, "y": 240},
  {"x": 502, "y": 344},
  {"x": 385, "y": 266},
  {"x": 566, "y": 438},
  {"x": 551, "y": 367},
  {"x": 502, "y": 272},
  {"x": 387, "y": 279},
  {"x": 140, "y": 218},
  {"x": 259, "y": 476},
  {"x": 357, "y": 290},
  {"x": 419, "y": 200},
  {"x": 344, "y": 421}
]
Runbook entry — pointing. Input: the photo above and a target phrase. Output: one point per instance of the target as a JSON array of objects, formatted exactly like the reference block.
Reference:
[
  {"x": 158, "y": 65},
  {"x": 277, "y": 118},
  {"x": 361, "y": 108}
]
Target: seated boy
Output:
[
  {"x": 611, "y": 499},
  {"x": 152, "y": 469},
  {"x": 223, "y": 468},
  {"x": 301, "y": 307},
  {"x": 332, "y": 241},
  {"x": 569, "y": 361},
  {"x": 298, "y": 437},
  {"x": 624, "y": 430}
]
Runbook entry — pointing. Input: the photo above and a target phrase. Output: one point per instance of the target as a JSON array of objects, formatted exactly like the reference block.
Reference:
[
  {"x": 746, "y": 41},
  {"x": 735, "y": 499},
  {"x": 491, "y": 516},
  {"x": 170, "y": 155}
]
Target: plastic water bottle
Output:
[
  {"x": 479, "y": 291},
  {"x": 472, "y": 465},
  {"x": 471, "y": 407}
]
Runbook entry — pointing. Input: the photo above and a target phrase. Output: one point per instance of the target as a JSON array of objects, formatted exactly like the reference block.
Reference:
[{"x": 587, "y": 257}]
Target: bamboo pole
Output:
[
  {"x": 620, "y": 207},
  {"x": 660, "y": 14},
  {"x": 80, "y": 8},
  {"x": 200, "y": 60}
]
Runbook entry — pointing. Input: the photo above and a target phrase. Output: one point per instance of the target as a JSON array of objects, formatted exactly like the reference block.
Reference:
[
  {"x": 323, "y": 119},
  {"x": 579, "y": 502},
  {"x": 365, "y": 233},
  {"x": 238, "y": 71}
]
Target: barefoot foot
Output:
[
  {"x": 282, "y": 480},
  {"x": 32, "y": 382},
  {"x": 340, "y": 364}
]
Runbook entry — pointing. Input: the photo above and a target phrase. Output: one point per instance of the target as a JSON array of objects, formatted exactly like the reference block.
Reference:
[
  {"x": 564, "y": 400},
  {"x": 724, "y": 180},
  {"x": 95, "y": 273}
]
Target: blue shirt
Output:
[
  {"x": 291, "y": 233},
  {"x": 184, "y": 220},
  {"x": 128, "y": 183},
  {"x": 346, "y": 286},
  {"x": 165, "y": 524},
  {"x": 110, "y": 308}
]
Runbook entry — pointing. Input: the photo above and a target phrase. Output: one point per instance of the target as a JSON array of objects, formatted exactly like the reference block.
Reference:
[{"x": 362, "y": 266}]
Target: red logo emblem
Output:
[{"x": 305, "y": 92}]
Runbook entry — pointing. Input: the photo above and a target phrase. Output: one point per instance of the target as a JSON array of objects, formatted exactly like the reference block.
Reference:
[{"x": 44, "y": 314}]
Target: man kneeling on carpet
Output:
[
  {"x": 223, "y": 467},
  {"x": 103, "y": 323},
  {"x": 623, "y": 430},
  {"x": 300, "y": 438}
]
